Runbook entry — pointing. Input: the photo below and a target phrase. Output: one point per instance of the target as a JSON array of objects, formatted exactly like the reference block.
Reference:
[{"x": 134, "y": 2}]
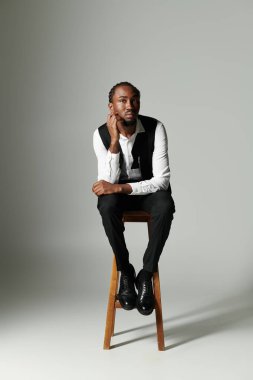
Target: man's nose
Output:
[{"x": 129, "y": 104}]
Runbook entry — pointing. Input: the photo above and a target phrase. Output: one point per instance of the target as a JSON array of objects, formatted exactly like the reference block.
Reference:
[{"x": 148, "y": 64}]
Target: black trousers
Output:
[{"x": 161, "y": 207}]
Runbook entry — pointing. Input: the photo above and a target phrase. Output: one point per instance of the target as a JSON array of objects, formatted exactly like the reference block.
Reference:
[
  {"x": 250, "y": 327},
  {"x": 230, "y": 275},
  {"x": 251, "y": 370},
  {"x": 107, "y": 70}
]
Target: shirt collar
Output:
[{"x": 139, "y": 126}]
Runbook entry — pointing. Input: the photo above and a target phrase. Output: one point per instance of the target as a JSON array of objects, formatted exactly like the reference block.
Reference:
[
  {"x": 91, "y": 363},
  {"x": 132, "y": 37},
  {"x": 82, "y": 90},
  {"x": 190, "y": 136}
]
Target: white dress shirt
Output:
[{"x": 110, "y": 171}]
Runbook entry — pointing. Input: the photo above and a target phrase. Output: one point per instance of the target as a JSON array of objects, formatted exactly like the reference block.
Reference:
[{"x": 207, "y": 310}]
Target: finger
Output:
[
  {"x": 99, "y": 192},
  {"x": 95, "y": 188},
  {"x": 98, "y": 187},
  {"x": 110, "y": 120},
  {"x": 118, "y": 117}
]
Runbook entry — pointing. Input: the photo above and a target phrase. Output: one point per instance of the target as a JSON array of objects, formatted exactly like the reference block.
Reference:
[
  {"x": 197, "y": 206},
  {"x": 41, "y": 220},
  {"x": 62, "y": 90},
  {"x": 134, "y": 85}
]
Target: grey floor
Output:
[{"x": 53, "y": 319}]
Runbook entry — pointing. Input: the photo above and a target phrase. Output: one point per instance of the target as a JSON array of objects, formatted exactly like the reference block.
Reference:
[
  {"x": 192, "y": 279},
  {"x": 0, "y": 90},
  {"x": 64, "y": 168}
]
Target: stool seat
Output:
[
  {"x": 113, "y": 302},
  {"x": 136, "y": 216}
]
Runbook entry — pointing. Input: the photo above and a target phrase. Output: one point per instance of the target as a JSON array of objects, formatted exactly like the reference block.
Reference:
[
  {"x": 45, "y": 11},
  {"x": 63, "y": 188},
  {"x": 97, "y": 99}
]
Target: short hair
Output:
[{"x": 112, "y": 91}]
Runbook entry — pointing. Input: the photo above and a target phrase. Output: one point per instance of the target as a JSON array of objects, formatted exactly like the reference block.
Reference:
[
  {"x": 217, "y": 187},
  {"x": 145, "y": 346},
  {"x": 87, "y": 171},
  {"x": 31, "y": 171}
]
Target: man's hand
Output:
[
  {"x": 113, "y": 120},
  {"x": 112, "y": 127},
  {"x": 103, "y": 187}
]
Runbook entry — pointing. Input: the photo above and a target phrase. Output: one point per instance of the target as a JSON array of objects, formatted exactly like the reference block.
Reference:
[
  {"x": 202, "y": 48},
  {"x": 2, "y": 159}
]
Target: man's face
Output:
[{"x": 125, "y": 104}]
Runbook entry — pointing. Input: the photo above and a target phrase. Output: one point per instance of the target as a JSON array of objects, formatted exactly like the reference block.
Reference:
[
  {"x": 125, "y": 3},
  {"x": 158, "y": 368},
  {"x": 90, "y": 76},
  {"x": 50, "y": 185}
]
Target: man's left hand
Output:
[{"x": 103, "y": 187}]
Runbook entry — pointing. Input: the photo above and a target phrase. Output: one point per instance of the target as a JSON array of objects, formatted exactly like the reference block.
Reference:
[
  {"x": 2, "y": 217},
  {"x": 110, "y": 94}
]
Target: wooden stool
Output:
[{"x": 113, "y": 302}]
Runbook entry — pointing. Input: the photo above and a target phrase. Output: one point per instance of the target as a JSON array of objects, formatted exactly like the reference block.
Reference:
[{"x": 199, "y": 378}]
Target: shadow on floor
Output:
[{"x": 201, "y": 322}]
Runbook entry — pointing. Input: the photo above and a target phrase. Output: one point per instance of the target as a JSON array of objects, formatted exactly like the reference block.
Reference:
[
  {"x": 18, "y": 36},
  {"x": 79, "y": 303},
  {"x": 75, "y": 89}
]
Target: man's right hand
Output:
[
  {"x": 112, "y": 128},
  {"x": 114, "y": 132}
]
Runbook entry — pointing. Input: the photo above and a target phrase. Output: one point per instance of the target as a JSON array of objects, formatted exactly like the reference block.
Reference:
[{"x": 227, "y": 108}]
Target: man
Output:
[{"x": 133, "y": 174}]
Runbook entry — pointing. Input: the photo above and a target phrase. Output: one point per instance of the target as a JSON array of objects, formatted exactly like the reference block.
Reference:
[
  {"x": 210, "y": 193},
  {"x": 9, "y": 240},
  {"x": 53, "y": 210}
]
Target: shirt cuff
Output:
[
  {"x": 135, "y": 187},
  {"x": 112, "y": 156}
]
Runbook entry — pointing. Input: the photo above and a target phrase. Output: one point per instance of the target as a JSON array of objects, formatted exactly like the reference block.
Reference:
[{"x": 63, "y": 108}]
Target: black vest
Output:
[{"x": 143, "y": 147}]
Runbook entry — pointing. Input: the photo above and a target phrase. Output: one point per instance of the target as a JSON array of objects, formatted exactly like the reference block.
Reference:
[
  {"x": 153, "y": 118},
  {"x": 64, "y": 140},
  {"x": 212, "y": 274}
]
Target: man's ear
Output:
[{"x": 110, "y": 106}]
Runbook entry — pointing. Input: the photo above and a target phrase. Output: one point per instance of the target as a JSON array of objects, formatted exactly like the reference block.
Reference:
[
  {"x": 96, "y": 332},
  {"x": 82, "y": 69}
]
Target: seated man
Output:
[{"x": 133, "y": 174}]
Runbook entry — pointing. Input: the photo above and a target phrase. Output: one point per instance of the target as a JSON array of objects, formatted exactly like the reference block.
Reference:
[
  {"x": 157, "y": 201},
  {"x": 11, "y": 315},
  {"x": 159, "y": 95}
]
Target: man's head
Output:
[{"x": 124, "y": 101}]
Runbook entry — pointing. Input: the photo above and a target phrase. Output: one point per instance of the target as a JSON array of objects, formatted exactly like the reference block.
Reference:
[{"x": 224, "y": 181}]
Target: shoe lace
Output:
[
  {"x": 146, "y": 289},
  {"x": 126, "y": 282}
]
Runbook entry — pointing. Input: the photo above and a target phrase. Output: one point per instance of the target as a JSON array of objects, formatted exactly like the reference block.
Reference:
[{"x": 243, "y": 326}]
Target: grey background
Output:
[{"x": 192, "y": 61}]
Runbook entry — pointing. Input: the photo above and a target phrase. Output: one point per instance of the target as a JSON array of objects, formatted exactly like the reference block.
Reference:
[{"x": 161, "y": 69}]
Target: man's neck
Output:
[{"x": 127, "y": 130}]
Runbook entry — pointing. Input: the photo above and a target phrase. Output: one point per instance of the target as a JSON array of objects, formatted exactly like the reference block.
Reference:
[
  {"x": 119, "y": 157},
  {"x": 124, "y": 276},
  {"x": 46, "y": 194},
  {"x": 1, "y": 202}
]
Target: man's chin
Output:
[{"x": 129, "y": 122}]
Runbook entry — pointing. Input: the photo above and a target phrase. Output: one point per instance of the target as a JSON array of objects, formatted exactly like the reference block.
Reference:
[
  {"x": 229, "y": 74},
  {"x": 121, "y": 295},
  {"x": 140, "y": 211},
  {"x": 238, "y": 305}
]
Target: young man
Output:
[{"x": 133, "y": 174}]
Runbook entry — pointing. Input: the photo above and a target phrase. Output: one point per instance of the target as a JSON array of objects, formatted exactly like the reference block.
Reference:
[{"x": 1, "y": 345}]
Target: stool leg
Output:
[
  {"x": 114, "y": 310},
  {"x": 111, "y": 306},
  {"x": 158, "y": 311}
]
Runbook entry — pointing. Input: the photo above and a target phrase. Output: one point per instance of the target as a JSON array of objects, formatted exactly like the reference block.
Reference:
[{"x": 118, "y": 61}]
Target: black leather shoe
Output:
[
  {"x": 145, "y": 300},
  {"x": 127, "y": 294}
]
